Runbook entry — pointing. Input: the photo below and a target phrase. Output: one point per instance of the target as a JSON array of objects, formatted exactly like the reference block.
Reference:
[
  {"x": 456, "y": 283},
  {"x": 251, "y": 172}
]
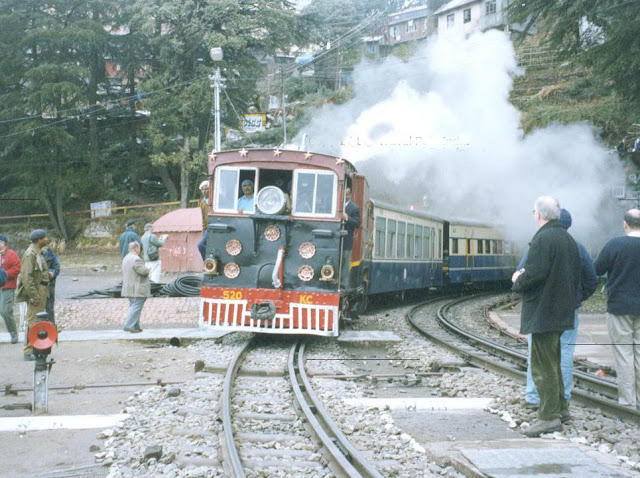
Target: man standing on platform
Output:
[
  {"x": 10, "y": 262},
  {"x": 620, "y": 260},
  {"x": 135, "y": 286},
  {"x": 548, "y": 284},
  {"x": 34, "y": 278}
]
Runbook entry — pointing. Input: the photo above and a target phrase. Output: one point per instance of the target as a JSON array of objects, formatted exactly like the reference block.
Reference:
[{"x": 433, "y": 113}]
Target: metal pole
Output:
[
  {"x": 284, "y": 110},
  {"x": 40, "y": 386},
  {"x": 217, "y": 110}
]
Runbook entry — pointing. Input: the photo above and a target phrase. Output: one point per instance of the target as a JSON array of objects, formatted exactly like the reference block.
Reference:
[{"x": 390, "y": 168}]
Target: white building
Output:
[{"x": 469, "y": 16}]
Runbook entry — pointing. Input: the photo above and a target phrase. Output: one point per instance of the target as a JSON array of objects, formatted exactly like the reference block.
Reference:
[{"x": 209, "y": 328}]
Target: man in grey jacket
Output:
[{"x": 135, "y": 286}]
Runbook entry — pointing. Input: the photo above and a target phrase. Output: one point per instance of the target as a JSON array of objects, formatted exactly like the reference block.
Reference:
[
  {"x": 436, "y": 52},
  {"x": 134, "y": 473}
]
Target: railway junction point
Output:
[{"x": 483, "y": 445}]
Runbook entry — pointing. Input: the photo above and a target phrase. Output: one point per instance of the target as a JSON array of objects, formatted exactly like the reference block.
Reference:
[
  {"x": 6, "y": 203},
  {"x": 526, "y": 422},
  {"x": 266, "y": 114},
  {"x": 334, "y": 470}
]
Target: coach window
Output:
[
  {"x": 418, "y": 245},
  {"x": 391, "y": 238},
  {"x": 315, "y": 193},
  {"x": 499, "y": 248},
  {"x": 228, "y": 187},
  {"x": 426, "y": 244},
  {"x": 454, "y": 246},
  {"x": 487, "y": 246},
  {"x": 410, "y": 239},
  {"x": 480, "y": 246},
  {"x": 401, "y": 238},
  {"x": 381, "y": 230},
  {"x": 438, "y": 252}
]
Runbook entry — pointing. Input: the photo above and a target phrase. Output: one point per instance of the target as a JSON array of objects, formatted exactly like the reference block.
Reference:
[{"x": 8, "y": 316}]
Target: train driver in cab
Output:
[{"x": 245, "y": 202}]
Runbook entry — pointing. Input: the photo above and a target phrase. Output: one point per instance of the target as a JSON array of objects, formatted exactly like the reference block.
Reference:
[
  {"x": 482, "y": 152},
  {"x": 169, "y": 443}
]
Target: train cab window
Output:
[
  {"x": 426, "y": 244},
  {"x": 228, "y": 189},
  {"x": 381, "y": 230},
  {"x": 401, "y": 238},
  {"x": 410, "y": 240},
  {"x": 315, "y": 193},
  {"x": 418, "y": 245},
  {"x": 391, "y": 238}
]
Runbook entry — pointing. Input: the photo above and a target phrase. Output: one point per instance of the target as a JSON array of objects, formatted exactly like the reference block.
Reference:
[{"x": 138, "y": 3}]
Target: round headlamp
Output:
[{"x": 271, "y": 200}]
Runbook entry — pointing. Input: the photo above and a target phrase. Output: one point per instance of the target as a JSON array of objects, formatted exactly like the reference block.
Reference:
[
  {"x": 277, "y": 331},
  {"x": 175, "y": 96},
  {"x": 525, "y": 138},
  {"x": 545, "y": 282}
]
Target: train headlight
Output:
[
  {"x": 307, "y": 250},
  {"x": 231, "y": 270},
  {"x": 233, "y": 247},
  {"x": 271, "y": 200},
  {"x": 272, "y": 233},
  {"x": 305, "y": 273},
  {"x": 210, "y": 267},
  {"x": 327, "y": 272}
]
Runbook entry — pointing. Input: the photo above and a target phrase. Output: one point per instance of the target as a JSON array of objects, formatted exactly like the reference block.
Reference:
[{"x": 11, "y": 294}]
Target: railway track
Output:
[
  {"x": 507, "y": 360},
  {"x": 309, "y": 441}
]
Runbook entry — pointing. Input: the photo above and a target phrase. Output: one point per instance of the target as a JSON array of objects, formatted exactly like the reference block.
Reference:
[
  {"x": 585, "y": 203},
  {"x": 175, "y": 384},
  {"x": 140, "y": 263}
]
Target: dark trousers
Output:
[
  {"x": 547, "y": 374},
  {"x": 202, "y": 245},
  {"x": 51, "y": 302}
]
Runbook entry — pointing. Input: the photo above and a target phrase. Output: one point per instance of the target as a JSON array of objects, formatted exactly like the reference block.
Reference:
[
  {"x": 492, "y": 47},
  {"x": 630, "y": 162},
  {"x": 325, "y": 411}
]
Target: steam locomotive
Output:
[{"x": 279, "y": 266}]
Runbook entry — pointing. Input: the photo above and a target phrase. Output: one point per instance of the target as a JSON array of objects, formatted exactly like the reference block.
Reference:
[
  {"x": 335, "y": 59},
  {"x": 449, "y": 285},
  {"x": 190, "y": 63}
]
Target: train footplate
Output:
[{"x": 263, "y": 311}]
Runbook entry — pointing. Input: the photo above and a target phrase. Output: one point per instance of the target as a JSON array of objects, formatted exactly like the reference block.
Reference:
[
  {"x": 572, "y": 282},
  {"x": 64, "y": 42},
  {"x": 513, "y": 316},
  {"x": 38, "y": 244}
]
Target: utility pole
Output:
[
  {"x": 216, "y": 78},
  {"x": 284, "y": 110}
]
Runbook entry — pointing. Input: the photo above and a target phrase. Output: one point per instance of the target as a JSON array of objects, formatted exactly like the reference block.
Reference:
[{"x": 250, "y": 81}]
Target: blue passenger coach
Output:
[{"x": 414, "y": 250}]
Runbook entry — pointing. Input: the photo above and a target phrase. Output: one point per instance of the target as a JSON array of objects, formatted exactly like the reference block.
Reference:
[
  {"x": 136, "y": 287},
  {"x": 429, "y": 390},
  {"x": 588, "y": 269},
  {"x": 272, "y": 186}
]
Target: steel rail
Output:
[
  {"x": 346, "y": 460},
  {"x": 231, "y": 458},
  {"x": 516, "y": 360}
]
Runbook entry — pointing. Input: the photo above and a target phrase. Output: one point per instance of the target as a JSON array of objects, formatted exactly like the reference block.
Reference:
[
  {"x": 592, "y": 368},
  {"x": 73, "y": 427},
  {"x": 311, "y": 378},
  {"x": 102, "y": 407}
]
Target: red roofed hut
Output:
[{"x": 184, "y": 228}]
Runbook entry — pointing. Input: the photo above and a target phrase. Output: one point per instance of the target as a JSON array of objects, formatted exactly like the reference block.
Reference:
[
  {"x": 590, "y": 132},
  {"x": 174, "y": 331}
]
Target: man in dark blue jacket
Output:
[
  {"x": 129, "y": 235},
  {"x": 548, "y": 284},
  {"x": 54, "y": 271},
  {"x": 620, "y": 260}
]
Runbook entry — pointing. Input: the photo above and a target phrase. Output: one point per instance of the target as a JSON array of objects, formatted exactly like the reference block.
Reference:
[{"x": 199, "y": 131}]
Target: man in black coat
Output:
[
  {"x": 548, "y": 283},
  {"x": 351, "y": 218}
]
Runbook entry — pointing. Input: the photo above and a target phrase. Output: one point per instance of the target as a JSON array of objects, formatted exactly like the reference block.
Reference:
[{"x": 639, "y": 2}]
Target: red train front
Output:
[{"x": 275, "y": 259}]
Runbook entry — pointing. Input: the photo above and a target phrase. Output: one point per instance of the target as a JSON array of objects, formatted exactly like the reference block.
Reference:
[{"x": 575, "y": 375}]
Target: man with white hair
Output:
[
  {"x": 204, "y": 208},
  {"x": 548, "y": 283},
  {"x": 150, "y": 245},
  {"x": 135, "y": 286}
]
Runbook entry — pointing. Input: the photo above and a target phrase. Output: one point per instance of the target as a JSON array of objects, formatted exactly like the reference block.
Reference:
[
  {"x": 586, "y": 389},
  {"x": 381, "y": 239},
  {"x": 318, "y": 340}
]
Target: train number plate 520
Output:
[{"x": 232, "y": 295}]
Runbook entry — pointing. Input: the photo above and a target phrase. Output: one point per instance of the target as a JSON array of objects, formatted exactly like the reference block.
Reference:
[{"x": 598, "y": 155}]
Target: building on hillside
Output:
[
  {"x": 469, "y": 16},
  {"x": 411, "y": 24}
]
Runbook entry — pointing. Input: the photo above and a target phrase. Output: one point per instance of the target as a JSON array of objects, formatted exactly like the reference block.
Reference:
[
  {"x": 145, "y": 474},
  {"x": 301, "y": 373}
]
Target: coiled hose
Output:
[{"x": 184, "y": 286}]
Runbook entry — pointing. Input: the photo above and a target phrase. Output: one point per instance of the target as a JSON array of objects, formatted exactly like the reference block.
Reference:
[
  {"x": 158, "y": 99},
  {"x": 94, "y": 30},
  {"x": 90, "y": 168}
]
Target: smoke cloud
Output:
[{"x": 439, "y": 131}]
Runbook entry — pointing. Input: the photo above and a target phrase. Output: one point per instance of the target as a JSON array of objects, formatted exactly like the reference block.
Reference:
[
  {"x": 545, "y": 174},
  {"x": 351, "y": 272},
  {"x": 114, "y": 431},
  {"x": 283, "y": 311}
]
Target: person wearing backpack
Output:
[
  {"x": 10, "y": 263},
  {"x": 150, "y": 246}
]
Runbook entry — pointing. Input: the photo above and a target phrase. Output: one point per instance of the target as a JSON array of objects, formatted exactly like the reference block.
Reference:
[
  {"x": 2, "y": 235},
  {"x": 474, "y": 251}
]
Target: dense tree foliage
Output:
[
  {"x": 97, "y": 92},
  {"x": 603, "y": 35}
]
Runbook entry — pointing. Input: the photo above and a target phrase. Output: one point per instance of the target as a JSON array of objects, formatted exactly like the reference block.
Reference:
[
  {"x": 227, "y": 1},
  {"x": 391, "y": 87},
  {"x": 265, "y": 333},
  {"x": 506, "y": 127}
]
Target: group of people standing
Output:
[
  {"x": 141, "y": 265},
  {"x": 31, "y": 280},
  {"x": 554, "y": 277}
]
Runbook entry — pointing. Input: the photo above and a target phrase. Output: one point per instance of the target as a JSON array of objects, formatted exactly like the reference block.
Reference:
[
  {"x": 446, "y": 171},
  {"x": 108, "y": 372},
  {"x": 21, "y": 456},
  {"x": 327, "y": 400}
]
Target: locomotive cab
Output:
[{"x": 274, "y": 243}]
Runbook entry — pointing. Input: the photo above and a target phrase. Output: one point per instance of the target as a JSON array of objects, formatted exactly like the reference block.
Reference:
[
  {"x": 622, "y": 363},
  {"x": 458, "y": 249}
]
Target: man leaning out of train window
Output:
[{"x": 245, "y": 202}]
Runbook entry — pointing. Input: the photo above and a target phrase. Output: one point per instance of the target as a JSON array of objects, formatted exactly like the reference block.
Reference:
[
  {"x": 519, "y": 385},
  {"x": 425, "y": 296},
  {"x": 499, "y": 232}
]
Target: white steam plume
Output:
[{"x": 441, "y": 125}]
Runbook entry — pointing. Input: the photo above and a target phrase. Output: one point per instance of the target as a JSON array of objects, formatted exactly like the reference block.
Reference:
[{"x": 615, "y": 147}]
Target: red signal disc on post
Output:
[{"x": 42, "y": 335}]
